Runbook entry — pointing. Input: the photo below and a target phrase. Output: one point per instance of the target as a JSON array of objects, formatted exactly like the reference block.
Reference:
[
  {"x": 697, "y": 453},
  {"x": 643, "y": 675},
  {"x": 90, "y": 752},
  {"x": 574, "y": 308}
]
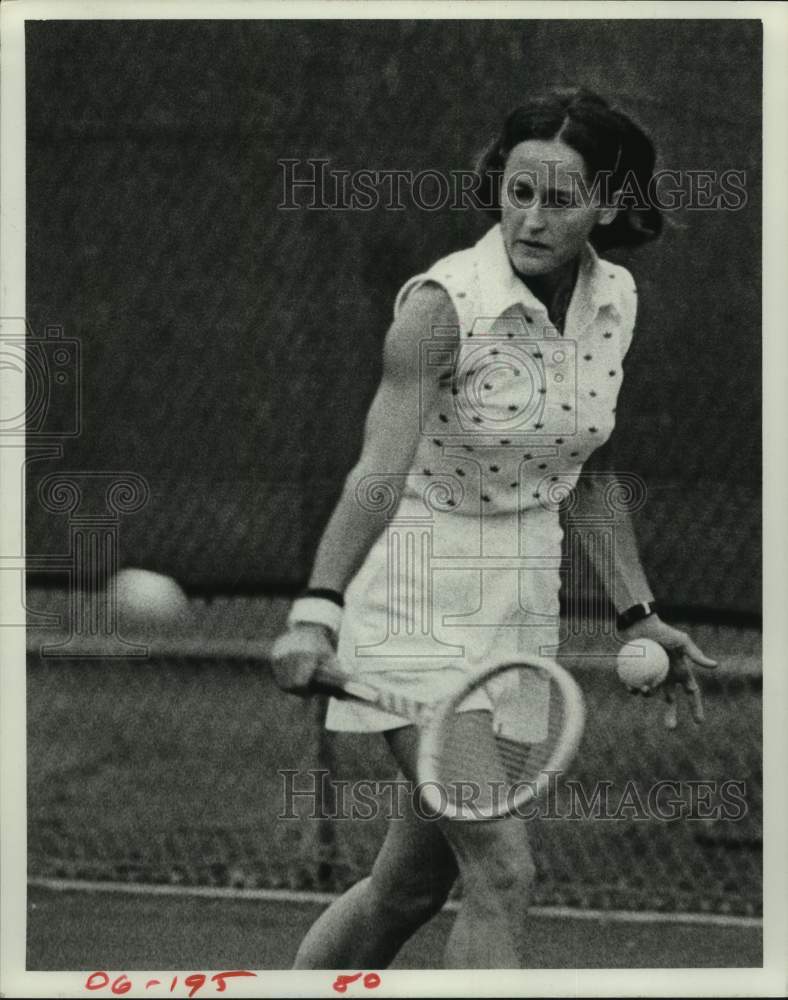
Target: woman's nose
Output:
[{"x": 533, "y": 217}]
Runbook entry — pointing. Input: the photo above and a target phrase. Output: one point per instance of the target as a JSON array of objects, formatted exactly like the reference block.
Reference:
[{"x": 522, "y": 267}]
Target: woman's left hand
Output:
[{"x": 682, "y": 653}]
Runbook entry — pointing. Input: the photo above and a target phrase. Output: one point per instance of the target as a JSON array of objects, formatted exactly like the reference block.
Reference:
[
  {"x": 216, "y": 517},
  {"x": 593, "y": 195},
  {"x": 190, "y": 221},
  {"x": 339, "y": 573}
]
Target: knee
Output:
[
  {"x": 502, "y": 867},
  {"x": 508, "y": 872},
  {"x": 413, "y": 898}
]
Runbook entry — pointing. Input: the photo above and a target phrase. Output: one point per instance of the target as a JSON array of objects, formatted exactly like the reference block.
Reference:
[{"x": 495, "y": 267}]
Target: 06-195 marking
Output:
[{"x": 195, "y": 981}]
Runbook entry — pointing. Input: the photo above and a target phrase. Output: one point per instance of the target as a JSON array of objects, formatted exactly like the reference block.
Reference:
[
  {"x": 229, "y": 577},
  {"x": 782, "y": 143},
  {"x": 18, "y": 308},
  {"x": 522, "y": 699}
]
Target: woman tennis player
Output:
[{"x": 525, "y": 336}]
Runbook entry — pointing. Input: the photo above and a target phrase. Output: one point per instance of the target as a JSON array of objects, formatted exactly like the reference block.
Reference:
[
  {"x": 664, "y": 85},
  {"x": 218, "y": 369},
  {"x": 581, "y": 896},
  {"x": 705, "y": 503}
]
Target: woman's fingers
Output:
[
  {"x": 683, "y": 654},
  {"x": 297, "y": 655},
  {"x": 681, "y": 673},
  {"x": 671, "y": 709},
  {"x": 692, "y": 688},
  {"x": 694, "y": 653}
]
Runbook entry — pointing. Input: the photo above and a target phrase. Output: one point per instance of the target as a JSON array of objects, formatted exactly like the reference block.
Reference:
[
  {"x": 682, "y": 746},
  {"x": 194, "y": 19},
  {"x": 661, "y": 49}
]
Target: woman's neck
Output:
[
  {"x": 546, "y": 286},
  {"x": 554, "y": 290}
]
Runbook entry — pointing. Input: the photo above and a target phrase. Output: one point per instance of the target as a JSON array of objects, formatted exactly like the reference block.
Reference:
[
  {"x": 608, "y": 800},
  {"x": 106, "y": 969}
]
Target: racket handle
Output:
[{"x": 333, "y": 681}]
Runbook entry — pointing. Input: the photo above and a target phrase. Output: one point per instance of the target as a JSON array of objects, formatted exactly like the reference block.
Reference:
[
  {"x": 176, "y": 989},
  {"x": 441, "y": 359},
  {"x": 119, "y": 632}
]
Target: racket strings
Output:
[
  {"x": 499, "y": 749},
  {"x": 523, "y": 761},
  {"x": 400, "y": 704}
]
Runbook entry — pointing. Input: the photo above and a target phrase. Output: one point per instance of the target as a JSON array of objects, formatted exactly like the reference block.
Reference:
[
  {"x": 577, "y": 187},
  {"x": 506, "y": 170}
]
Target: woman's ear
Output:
[{"x": 609, "y": 212}]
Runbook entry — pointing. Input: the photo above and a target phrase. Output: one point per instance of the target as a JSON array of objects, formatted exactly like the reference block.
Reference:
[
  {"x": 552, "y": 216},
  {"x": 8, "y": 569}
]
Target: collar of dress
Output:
[{"x": 594, "y": 289}]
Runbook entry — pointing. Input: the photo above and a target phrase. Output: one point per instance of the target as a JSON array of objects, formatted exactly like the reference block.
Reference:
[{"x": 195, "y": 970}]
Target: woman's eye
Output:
[{"x": 523, "y": 195}]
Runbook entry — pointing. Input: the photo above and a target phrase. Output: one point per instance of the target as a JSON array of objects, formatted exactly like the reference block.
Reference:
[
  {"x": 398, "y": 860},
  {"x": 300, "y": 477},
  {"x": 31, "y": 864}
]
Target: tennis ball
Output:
[
  {"x": 642, "y": 663},
  {"x": 146, "y": 598}
]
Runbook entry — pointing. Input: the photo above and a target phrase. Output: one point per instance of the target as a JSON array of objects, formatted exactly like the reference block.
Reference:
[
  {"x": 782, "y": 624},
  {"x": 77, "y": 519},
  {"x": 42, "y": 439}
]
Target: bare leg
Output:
[
  {"x": 413, "y": 874},
  {"x": 494, "y": 861},
  {"x": 409, "y": 883},
  {"x": 497, "y": 871}
]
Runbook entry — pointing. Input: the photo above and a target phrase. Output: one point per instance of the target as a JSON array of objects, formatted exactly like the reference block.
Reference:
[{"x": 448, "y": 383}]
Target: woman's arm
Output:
[
  {"x": 391, "y": 436},
  {"x": 629, "y": 585}
]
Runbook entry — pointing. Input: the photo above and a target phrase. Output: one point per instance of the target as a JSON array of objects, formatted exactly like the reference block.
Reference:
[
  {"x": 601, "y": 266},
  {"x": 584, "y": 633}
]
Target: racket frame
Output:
[
  {"x": 433, "y": 736},
  {"x": 433, "y": 720}
]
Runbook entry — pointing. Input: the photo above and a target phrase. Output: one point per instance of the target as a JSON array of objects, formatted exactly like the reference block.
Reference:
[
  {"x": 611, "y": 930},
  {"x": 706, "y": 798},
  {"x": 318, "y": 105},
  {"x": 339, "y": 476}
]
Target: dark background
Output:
[{"x": 230, "y": 349}]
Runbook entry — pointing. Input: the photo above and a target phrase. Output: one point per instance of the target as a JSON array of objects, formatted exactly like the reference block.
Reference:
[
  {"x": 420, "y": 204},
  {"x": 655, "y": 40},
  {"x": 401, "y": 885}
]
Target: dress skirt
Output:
[{"x": 444, "y": 594}]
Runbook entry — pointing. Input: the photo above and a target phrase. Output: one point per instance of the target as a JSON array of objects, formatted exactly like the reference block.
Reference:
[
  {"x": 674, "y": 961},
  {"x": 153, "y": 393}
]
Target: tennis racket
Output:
[{"x": 517, "y": 724}]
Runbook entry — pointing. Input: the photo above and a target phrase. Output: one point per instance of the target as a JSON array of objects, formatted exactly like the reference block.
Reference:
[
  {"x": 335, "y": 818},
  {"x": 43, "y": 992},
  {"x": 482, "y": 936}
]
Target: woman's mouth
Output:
[{"x": 533, "y": 244}]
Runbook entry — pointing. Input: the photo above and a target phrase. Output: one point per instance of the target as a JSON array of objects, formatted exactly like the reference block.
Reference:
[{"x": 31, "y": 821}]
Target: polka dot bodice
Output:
[{"x": 520, "y": 407}]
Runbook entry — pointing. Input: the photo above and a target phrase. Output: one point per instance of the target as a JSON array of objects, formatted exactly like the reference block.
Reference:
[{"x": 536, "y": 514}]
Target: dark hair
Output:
[{"x": 606, "y": 139}]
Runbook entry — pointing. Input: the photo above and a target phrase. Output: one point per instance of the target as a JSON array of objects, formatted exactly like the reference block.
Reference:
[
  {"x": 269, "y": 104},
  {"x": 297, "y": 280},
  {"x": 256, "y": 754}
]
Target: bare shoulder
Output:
[{"x": 428, "y": 306}]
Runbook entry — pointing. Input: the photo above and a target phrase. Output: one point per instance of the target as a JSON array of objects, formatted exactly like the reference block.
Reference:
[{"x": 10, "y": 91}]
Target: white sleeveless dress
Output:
[{"x": 466, "y": 573}]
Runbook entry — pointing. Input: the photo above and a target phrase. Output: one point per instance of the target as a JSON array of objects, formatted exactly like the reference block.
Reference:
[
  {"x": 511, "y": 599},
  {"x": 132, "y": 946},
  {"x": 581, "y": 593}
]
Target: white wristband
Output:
[{"x": 316, "y": 611}]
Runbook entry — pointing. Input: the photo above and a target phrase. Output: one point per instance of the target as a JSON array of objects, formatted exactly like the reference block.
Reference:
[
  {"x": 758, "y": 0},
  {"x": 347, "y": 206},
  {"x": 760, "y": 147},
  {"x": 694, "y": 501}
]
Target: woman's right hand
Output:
[{"x": 297, "y": 655}]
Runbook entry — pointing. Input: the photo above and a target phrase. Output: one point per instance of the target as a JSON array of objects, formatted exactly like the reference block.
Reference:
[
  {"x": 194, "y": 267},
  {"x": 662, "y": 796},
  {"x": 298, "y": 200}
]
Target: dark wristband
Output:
[
  {"x": 636, "y": 614},
  {"x": 327, "y": 594}
]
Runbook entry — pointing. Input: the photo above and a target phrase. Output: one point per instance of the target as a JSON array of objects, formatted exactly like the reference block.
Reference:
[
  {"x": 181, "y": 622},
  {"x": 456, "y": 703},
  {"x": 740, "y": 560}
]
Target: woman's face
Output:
[{"x": 545, "y": 219}]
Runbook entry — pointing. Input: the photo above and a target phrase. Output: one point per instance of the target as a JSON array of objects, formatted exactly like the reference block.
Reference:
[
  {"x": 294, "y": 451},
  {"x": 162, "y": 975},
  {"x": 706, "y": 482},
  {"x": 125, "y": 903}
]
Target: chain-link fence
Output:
[
  {"x": 229, "y": 352},
  {"x": 230, "y": 347},
  {"x": 170, "y": 769}
]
